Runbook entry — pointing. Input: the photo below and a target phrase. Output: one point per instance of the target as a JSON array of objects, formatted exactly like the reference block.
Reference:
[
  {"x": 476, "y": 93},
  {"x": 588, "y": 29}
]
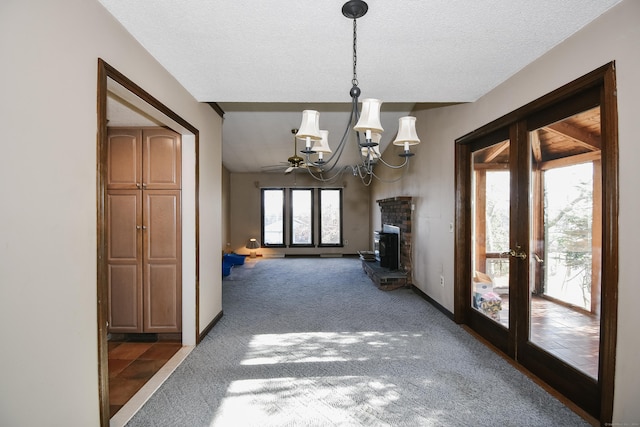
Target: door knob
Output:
[{"x": 517, "y": 253}]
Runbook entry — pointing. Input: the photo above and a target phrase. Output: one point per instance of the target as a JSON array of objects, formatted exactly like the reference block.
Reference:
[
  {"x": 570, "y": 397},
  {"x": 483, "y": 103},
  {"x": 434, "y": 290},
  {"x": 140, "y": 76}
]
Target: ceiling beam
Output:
[
  {"x": 577, "y": 135},
  {"x": 535, "y": 146},
  {"x": 494, "y": 151}
]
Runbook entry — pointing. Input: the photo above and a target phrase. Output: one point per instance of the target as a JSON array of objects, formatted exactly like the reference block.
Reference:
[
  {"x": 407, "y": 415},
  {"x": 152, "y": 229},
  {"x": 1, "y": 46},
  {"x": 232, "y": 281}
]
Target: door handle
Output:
[{"x": 517, "y": 253}]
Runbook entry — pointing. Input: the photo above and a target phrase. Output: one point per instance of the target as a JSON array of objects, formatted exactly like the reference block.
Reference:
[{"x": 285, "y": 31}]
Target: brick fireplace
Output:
[{"x": 397, "y": 211}]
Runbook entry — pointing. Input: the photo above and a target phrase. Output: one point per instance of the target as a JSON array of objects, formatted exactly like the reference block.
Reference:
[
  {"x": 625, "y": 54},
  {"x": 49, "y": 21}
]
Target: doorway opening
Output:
[{"x": 116, "y": 91}]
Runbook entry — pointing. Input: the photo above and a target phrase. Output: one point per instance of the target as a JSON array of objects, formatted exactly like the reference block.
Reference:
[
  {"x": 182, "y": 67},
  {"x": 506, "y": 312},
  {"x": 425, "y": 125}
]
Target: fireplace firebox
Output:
[{"x": 387, "y": 246}]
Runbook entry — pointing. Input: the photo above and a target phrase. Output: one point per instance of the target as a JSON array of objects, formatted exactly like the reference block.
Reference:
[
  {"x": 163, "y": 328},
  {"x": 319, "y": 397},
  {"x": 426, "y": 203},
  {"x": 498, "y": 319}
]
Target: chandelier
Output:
[{"x": 365, "y": 123}]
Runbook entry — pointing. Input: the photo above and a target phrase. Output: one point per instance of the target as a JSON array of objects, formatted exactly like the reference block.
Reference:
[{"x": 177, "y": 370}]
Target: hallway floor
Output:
[{"x": 132, "y": 364}]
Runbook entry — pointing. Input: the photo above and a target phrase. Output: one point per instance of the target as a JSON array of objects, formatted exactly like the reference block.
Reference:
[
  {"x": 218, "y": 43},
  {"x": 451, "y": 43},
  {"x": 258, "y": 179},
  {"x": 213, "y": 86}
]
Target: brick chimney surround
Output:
[{"x": 394, "y": 211}]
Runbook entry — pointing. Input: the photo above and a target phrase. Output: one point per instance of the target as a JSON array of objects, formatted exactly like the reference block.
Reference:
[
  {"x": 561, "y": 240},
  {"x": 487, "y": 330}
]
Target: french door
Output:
[{"x": 537, "y": 238}]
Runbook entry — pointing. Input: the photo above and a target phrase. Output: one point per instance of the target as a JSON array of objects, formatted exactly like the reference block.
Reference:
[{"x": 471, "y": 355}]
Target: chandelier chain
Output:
[{"x": 354, "y": 81}]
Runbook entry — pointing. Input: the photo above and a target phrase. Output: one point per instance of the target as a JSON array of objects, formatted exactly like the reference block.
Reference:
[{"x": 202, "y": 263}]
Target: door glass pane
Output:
[
  {"x": 301, "y": 226},
  {"x": 568, "y": 234},
  {"x": 566, "y": 243},
  {"x": 490, "y": 229},
  {"x": 273, "y": 217}
]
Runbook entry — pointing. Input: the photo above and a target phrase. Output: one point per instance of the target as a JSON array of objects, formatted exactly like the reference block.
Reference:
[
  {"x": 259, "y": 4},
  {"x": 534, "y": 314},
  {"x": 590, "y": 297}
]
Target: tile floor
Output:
[
  {"x": 568, "y": 334},
  {"x": 132, "y": 364}
]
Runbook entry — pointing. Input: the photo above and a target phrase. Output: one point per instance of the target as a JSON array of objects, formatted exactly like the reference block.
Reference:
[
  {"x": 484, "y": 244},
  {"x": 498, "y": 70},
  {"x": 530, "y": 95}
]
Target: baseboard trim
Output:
[
  {"x": 432, "y": 302},
  {"x": 210, "y": 326},
  {"x": 322, "y": 255}
]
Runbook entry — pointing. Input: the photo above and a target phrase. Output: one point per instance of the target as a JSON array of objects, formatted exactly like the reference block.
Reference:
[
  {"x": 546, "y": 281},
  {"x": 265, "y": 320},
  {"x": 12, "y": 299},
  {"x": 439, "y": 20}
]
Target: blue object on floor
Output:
[
  {"x": 235, "y": 259},
  {"x": 226, "y": 267}
]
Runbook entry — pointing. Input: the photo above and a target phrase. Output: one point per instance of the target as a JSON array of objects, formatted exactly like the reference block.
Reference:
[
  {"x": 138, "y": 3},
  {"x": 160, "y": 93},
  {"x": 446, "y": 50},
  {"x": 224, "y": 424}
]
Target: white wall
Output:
[
  {"x": 48, "y": 319},
  {"x": 614, "y": 36}
]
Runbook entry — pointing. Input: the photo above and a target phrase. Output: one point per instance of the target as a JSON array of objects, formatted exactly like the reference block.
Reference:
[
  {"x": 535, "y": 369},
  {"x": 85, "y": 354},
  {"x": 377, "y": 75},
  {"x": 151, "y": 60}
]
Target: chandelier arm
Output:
[
  {"x": 330, "y": 179},
  {"x": 363, "y": 172},
  {"x": 343, "y": 141},
  {"x": 367, "y": 178},
  {"x": 406, "y": 162},
  {"x": 350, "y": 123},
  {"x": 329, "y": 164},
  {"x": 389, "y": 181}
]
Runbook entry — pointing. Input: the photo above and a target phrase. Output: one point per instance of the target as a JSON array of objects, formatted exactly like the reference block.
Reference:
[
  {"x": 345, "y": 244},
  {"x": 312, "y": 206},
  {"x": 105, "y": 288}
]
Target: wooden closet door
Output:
[
  {"x": 162, "y": 160},
  {"x": 124, "y": 159},
  {"x": 162, "y": 282},
  {"x": 124, "y": 219}
]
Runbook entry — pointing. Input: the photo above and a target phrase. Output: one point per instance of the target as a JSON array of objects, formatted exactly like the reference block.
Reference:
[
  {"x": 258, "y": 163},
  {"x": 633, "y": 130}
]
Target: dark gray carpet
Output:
[{"x": 312, "y": 342}]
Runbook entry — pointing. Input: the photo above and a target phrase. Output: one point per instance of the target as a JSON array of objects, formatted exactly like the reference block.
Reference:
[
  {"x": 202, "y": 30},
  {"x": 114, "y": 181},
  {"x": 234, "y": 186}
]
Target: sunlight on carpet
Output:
[{"x": 310, "y": 347}]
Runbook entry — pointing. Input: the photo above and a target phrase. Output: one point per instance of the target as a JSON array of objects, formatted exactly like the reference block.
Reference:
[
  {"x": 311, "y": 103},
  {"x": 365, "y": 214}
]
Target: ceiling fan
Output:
[{"x": 293, "y": 163}]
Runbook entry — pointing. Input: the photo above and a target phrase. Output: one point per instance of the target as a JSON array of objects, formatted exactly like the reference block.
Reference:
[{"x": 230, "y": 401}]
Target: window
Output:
[
  {"x": 301, "y": 218},
  {"x": 298, "y": 208},
  {"x": 330, "y": 217},
  {"x": 273, "y": 217}
]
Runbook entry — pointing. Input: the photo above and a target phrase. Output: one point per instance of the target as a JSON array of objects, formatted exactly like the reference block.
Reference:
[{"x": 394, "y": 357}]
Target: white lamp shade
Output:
[
  {"x": 322, "y": 145},
  {"x": 310, "y": 126},
  {"x": 252, "y": 244},
  {"x": 370, "y": 116},
  {"x": 406, "y": 132}
]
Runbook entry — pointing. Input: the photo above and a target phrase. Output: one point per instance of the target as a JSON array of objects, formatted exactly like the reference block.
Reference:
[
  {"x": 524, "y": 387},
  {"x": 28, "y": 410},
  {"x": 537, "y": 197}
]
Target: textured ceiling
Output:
[{"x": 287, "y": 54}]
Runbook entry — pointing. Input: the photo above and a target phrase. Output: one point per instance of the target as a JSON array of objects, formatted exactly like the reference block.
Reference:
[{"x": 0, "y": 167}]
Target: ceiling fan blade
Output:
[{"x": 289, "y": 169}]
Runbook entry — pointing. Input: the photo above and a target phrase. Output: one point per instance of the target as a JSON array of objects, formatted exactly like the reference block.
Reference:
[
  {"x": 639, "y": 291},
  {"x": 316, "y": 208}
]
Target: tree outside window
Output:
[{"x": 330, "y": 217}]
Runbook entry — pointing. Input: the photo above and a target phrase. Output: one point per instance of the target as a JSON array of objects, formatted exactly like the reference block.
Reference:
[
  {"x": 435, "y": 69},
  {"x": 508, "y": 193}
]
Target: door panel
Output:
[
  {"x": 124, "y": 158},
  {"x": 162, "y": 156},
  {"x": 162, "y": 245},
  {"x": 162, "y": 313},
  {"x": 124, "y": 217},
  {"x": 125, "y": 298},
  {"x": 491, "y": 217},
  {"x": 566, "y": 290},
  {"x": 559, "y": 337}
]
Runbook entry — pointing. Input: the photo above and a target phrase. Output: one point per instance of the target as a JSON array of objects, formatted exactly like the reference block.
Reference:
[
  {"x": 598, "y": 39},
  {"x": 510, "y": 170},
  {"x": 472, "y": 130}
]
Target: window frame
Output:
[
  {"x": 290, "y": 214},
  {"x": 341, "y": 209},
  {"x": 263, "y": 243}
]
